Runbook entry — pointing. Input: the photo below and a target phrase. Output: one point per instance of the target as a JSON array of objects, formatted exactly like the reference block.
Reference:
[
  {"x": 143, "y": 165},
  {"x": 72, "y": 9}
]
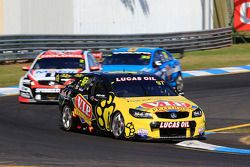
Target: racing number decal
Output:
[
  {"x": 83, "y": 108},
  {"x": 84, "y": 81},
  {"x": 103, "y": 111}
]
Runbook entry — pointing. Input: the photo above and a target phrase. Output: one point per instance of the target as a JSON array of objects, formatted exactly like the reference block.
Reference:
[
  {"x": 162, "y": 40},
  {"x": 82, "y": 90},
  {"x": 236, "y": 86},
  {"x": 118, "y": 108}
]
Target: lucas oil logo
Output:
[
  {"x": 165, "y": 104},
  {"x": 84, "y": 108}
]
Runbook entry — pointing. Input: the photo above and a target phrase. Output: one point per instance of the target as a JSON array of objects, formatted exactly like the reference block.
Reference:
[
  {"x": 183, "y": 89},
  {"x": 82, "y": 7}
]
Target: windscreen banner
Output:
[{"x": 242, "y": 15}]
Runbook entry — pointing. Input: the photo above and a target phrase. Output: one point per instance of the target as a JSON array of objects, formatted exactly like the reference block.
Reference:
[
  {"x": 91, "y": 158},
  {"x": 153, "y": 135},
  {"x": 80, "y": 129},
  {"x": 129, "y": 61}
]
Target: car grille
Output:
[
  {"x": 175, "y": 133},
  {"x": 168, "y": 115},
  {"x": 47, "y": 82},
  {"x": 44, "y": 82},
  {"x": 170, "y": 133}
]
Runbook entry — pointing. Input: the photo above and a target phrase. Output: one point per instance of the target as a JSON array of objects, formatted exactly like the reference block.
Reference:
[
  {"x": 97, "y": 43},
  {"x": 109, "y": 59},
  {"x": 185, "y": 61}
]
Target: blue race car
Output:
[{"x": 152, "y": 60}]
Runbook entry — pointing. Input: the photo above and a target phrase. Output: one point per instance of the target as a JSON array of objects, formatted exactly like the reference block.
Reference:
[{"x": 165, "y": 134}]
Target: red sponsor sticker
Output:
[
  {"x": 97, "y": 55},
  {"x": 242, "y": 15},
  {"x": 61, "y": 56},
  {"x": 174, "y": 124},
  {"x": 83, "y": 106},
  {"x": 164, "y": 104}
]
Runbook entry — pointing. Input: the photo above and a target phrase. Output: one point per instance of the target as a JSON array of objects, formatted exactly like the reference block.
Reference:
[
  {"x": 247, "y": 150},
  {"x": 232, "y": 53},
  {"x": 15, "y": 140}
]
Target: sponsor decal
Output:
[
  {"x": 242, "y": 15},
  {"x": 160, "y": 82},
  {"x": 142, "y": 132},
  {"x": 47, "y": 90},
  {"x": 61, "y": 56},
  {"x": 37, "y": 72},
  {"x": 183, "y": 124},
  {"x": 135, "y": 79},
  {"x": 165, "y": 104},
  {"x": 83, "y": 108}
]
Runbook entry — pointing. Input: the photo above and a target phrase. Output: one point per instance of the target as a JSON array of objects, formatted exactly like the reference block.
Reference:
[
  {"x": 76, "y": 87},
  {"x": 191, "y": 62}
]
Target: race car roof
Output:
[
  {"x": 62, "y": 54},
  {"x": 134, "y": 50}
]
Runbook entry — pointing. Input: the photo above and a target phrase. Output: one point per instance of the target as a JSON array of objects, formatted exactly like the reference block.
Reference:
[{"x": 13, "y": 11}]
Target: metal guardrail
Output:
[{"x": 19, "y": 47}]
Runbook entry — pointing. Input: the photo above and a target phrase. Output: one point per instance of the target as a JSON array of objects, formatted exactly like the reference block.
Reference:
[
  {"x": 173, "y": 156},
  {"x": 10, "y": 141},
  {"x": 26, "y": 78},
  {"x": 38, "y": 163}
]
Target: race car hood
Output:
[
  {"x": 160, "y": 104},
  {"x": 49, "y": 74},
  {"x": 123, "y": 68}
]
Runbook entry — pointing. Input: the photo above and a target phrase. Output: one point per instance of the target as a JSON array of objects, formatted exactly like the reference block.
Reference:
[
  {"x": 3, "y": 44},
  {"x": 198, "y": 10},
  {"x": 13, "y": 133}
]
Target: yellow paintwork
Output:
[{"x": 134, "y": 125}]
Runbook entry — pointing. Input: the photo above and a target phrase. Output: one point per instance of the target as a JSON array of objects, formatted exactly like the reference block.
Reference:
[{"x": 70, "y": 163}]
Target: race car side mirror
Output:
[{"x": 26, "y": 68}]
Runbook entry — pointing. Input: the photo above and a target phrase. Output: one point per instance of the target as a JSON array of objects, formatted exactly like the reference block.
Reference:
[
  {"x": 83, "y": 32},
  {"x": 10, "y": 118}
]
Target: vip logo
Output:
[
  {"x": 164, "y": 104},
  {"x": 242, "y": 15},
  {"x": 83, "y": 106}
]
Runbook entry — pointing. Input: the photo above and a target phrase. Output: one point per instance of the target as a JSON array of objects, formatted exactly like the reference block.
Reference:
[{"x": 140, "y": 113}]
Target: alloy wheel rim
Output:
[
  {"x": 179, "y": 84},
  {"x": 118, "y": 125},
  {"x": 66, "y": 118}
]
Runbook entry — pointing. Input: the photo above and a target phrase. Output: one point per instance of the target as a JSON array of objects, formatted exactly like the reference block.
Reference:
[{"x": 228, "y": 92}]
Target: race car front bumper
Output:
[
  {"x": 32, "y": 95},
  {"x": 154, "y": 129}
]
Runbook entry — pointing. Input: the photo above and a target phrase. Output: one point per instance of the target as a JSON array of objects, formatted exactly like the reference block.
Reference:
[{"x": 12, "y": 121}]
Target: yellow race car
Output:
[{"x": 129, "y": 106}]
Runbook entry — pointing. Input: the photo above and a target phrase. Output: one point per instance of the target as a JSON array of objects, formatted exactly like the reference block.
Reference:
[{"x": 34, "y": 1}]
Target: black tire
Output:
[
  {"x": 67, "y": 120},
  {"x": 118, "y": 126},
  {"x": 180, "y": 84}
]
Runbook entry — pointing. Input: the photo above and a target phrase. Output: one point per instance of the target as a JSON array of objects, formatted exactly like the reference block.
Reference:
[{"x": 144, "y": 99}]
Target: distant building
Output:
[{"x": 104, "y": 16}]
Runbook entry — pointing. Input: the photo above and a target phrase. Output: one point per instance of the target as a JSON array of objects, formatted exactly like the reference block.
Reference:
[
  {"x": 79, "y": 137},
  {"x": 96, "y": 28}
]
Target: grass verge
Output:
[
  {"x": 235, "y": 55},
  {"x": 11, "y": 73}
]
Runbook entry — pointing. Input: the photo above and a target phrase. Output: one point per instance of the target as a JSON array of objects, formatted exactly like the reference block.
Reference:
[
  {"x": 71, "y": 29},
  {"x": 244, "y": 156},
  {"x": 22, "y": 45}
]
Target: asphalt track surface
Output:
[{"x": 31, "y": 135}]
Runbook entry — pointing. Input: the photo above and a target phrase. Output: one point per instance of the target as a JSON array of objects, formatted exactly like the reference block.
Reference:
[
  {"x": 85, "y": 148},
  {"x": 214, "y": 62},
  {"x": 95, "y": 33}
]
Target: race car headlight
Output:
[
  {"x": 32, "y": 83},
  {"x": 27, "y": 82},
  {"x": 197, "y": 113},
  {"x": 140, "y": 114}
]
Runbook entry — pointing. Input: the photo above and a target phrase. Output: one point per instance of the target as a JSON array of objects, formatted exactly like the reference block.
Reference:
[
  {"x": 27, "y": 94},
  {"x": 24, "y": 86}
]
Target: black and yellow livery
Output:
[{"x": 129, "y": 106}]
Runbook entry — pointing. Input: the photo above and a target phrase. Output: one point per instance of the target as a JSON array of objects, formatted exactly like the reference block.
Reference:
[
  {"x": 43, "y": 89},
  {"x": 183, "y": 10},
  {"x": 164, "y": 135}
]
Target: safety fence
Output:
[{"x": 26, "y": 47}]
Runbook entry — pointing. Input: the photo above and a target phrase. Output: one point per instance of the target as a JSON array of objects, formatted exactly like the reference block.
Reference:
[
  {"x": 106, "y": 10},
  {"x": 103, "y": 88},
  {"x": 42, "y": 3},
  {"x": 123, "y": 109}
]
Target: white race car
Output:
[{"x": 39, "y": 84}]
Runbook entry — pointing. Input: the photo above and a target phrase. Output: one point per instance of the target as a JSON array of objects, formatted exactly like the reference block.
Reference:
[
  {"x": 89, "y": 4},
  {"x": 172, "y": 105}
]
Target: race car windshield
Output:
[
  {"x": 127, "y": 59},
  {"x": 141, "y": 89},
  {"x": 59, "y": 63}
]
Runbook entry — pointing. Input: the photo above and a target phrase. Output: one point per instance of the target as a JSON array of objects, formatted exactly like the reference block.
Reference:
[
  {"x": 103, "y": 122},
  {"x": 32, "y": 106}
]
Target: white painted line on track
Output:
[
  {"x": 8, "y": 91},
  {"x": 198, "y": 73},
  {"x": 205, "y": 146},
  {"x": 233, "y": 69}
]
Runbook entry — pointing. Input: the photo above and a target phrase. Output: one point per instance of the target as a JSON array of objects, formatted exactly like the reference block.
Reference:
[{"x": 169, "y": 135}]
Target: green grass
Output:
[
  {"x": 235, "y": 55},
  {"x": 10, "y": 74}
]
